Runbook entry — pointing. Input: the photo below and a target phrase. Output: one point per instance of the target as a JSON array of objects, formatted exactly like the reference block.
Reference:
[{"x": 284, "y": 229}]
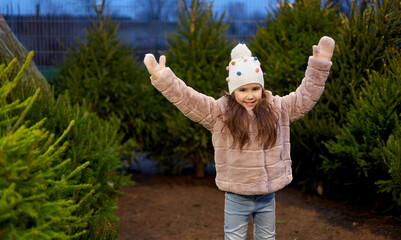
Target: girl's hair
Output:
[{"x": 237, "y": 121}]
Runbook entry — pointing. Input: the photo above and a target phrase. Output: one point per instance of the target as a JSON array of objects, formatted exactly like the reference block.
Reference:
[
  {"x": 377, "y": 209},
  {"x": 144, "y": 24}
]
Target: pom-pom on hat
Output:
[{"x": 243, "y": 68}]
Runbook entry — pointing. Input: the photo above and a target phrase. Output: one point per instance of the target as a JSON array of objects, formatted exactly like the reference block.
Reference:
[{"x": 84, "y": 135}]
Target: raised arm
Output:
[
  {"x": 196, "y": 106},
  {"x": 304, "y": 98}
]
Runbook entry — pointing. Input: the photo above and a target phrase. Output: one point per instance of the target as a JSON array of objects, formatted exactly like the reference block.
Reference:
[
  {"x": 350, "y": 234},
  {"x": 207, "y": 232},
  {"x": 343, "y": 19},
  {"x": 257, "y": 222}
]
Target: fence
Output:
[{"x": 51, "y": 27}]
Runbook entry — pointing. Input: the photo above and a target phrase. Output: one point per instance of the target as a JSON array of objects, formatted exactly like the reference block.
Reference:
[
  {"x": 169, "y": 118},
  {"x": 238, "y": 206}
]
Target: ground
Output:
[{"x": 163, "y": 207}]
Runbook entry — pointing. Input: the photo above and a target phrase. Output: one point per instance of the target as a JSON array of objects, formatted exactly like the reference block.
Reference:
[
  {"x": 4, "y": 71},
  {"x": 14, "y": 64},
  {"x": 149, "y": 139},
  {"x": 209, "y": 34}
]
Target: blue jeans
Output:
[{"x": 236, "y": 216}]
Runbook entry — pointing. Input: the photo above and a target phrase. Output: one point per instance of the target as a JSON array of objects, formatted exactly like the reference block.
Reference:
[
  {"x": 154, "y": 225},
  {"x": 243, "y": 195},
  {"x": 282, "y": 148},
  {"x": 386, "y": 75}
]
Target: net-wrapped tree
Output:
[{"x": 11, "y": 48}]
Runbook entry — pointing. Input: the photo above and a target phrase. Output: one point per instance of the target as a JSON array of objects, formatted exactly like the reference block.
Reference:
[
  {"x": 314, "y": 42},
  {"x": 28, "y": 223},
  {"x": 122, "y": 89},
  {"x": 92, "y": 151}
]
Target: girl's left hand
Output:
[{"x": 324, "y": 49}]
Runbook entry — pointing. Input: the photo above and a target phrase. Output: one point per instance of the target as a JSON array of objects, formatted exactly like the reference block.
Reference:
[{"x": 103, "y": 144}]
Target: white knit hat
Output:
[{"x": 243, "y": 68}]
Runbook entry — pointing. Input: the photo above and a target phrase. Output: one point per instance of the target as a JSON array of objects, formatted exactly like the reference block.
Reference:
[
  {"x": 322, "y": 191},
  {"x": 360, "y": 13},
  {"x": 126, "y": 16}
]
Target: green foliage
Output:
[
  {"x": 283, "y": 46},
  {"x": 366, "y": 37},
  {"x": 103, "y": 71},
  {"x": 392, "y": 153},
  {"x": 96, "y": 141},
  {"x": 90, "y": 140},
  {"x": 363, "y": 41},
  {"x": 366, "y": 147},
  {"x": 35, "y": 176},
  {"x": 285, "y": 42},
  {"x": 198, "y": 53}
]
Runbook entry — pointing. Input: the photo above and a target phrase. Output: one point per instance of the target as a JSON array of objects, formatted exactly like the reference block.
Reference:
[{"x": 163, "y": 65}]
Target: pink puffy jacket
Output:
[{"x": 252, "y": 170}]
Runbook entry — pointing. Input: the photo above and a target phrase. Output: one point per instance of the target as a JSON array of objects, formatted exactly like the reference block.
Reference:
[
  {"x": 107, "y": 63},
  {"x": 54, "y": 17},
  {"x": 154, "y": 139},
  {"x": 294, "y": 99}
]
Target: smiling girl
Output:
[{"x": 250, "y": 131}]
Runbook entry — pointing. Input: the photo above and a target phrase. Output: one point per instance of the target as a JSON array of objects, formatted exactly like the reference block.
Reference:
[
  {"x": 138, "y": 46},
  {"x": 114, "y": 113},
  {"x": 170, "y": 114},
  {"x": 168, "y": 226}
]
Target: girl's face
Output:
[{"x": 248, "y": 95}]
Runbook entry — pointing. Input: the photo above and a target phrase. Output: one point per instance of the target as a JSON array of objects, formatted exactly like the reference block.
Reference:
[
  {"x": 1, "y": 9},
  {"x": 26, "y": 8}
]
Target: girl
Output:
[{"x": 250, "y": 131}]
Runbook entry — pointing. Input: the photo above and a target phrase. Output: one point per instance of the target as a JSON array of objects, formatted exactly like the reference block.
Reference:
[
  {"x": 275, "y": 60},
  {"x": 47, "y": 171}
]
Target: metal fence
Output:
[{"x": 50, "y": 27}]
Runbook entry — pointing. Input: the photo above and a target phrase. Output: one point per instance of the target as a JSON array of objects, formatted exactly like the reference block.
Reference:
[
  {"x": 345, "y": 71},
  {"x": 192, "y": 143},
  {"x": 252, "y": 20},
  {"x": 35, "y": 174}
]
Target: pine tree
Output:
[
  {"x": 198, "y": 54},
  {"x": 103, "y": 71},
  {"x": 91, "y": 140},
  {"x": 391, "y": 156},
  {"x": 284, "y": 43},
  {"x": 283, "y": 46},
  {"x": 366, "y": 37},
  {"x": 33, "y": 176},
  {"x": 366, "y": 147}
]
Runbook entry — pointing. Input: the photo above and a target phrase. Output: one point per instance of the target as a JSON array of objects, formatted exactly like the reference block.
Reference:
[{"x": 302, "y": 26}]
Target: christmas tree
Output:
[
  {"x": 369, "y": 140},
  {"x": 91, "y": 140},
  {"x": 102, "y": 71},
  {"x": 366, "y": 37},
  {"x": 198, "y": 53},
  {"x": 33, "y": 176},
  {"x": 283, "y": 46}
]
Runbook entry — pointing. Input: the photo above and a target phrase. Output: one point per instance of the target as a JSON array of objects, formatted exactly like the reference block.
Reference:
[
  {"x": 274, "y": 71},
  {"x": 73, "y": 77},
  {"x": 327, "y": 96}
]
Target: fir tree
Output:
[
  {"x": 284, "y": 43},
  {"x": 91, "y": 140},
  {"x": 198, "y": 53},
  {"x": 368, "y": 144},
  {"x": 366, "y": 37},
  {"x": 33, "y": 176},
  {"x": 391, "y": 157},
  {"x": 103, "y": 71},
  {"x": 283, "y": 46}
]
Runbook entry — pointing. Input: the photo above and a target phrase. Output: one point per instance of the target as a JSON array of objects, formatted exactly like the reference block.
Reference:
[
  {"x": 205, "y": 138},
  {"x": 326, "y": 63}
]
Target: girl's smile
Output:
[{"x": 248, "y": 95}]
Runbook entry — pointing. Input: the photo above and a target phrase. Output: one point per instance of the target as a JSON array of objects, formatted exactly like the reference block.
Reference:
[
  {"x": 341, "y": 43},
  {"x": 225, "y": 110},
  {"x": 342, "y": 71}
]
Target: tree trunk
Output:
[
  {"x": 11, "y": 48},
  {"x": 199, "y": 167}
]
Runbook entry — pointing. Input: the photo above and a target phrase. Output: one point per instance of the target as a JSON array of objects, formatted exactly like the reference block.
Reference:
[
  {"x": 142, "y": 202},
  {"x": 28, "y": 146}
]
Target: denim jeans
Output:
[{"x": 237, "y": 210}]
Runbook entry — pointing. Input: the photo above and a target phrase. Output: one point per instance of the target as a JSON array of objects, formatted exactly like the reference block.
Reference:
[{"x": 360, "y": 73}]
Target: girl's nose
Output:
[{"x": 249, "y": 96}]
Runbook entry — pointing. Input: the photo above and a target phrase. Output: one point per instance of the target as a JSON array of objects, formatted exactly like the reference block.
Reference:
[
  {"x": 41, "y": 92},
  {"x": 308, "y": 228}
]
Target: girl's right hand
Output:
[{"x": 154, "y": 68}]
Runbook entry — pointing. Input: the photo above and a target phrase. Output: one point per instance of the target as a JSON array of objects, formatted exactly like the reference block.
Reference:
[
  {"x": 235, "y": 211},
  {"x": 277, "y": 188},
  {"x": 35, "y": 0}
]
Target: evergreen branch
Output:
[
  {"x": 22, "y": 116},
  {"x": 19, "y": 74},
  {"x": 51, "y": 148},
  {"x": 48, "y": 141},
  {"x": 46, "y": 159},
  {"x": 78, "y": 234},
  {"x": 9, "y": 200},
  {"x": 12, "y": 106},
  {"x": 87, "y": 196},
  {"x": 62, "y": 164},
  {"x": 77, "y": 170},
  {"x": 8, "y": 121},
  {"x": 33, "y": 146},
  {"x": 6, "y": 70},
  {"x": 31, "y": 198},
  {"x": 67, "y": 187}
]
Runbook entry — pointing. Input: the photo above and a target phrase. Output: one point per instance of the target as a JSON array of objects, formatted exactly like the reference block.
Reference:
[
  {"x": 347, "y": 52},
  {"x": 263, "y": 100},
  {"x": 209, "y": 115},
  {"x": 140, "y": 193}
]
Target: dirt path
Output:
[{"x": 186, "y": 208}]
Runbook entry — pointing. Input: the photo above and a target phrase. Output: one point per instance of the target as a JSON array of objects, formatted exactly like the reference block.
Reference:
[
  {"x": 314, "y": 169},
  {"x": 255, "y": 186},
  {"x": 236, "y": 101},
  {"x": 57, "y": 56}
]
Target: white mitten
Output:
[
  {"x": 154, "y": 68},
  {"x": 324, "y": 49}
]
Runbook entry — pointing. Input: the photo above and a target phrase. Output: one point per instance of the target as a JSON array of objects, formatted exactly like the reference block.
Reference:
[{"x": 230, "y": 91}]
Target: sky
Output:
[{"x": 118, "y": 7}]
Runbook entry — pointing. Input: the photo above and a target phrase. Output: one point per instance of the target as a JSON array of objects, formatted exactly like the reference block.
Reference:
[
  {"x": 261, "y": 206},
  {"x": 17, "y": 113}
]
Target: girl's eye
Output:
[
  {"x": 242, "y": 90},
  {"x": 255, "y": 89}
]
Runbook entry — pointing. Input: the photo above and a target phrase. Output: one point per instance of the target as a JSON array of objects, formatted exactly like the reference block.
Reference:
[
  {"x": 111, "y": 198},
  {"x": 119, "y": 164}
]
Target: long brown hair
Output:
[{"x": 237, "y": 121}]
